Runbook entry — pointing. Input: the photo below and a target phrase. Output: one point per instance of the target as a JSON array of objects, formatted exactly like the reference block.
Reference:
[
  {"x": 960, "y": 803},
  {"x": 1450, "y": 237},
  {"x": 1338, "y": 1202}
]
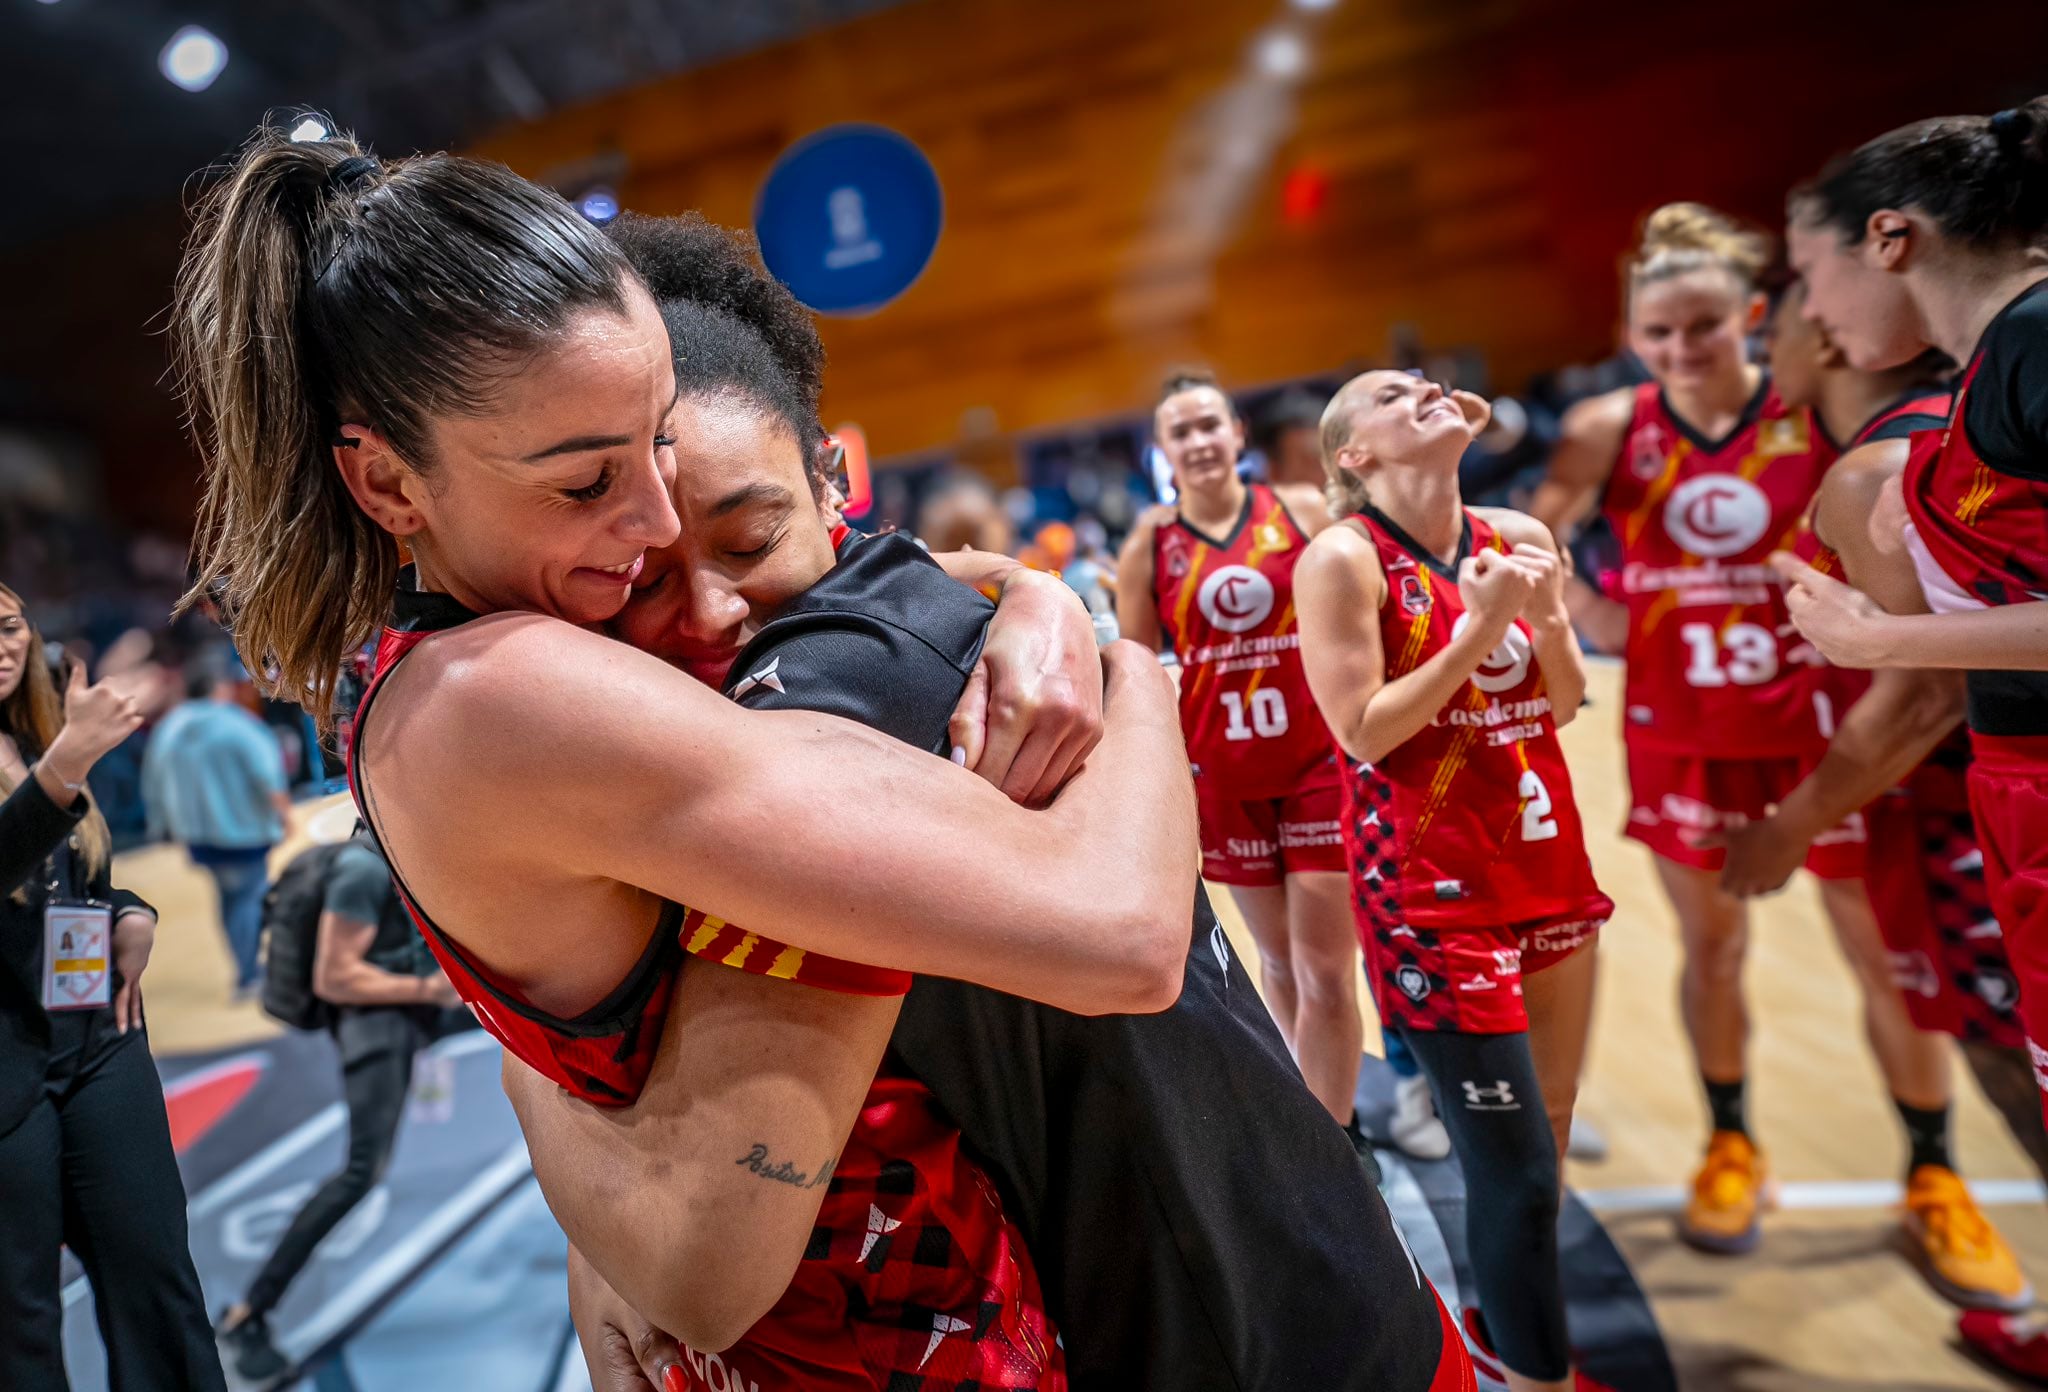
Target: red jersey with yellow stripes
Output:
[
  {"x": 1715, "y": 667},
  {"x": 1227, "y": 606},
  {"x": 1486, "y": 831}
]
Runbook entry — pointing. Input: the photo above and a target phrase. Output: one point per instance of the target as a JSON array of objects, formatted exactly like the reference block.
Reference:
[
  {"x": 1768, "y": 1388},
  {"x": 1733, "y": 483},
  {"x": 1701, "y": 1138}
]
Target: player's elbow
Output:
[
  {"x": 1143, "y": 975},
  {"x": 706, "y": 1304}
]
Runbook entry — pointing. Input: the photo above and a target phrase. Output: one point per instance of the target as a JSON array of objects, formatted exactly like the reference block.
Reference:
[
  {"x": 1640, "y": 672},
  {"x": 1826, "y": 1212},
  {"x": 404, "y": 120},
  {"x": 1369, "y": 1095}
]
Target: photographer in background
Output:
[
  {"x": 85, "y": 1145},
  {"x": 368, "y": 977}
]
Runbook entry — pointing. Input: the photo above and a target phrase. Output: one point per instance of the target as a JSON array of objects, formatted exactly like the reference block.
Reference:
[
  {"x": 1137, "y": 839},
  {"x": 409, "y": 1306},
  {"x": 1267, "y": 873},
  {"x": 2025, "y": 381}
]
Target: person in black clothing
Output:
[
  {"x": 1195, "y": 1220},
  {"x": 391, "y": 1001},
  {"x": 85, "y": 1144}
]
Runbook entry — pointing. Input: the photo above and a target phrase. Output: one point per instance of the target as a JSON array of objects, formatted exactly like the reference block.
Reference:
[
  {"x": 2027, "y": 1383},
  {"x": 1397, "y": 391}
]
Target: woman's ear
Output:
[{"x": 379, "y": 481}]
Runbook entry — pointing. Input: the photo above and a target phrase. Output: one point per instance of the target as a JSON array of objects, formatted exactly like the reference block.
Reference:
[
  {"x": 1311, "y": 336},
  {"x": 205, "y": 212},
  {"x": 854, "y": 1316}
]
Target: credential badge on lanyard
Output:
[{"x": 78, "y": 946}]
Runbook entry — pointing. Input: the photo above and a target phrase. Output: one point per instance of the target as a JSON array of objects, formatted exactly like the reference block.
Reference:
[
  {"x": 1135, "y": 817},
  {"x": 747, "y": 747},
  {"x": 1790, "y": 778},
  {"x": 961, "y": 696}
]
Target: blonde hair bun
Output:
[{"x": 1681, "y": 237}]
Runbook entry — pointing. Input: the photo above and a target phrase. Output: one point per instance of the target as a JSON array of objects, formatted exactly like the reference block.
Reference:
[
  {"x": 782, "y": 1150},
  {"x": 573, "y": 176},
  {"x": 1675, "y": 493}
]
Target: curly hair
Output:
[{"x": 735, "y": 329}]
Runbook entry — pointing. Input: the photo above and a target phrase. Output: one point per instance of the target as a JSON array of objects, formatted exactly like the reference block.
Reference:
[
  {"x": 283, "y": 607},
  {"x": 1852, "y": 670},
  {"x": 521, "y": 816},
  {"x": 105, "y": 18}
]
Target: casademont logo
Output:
[{"x": 1236, "y": 599}]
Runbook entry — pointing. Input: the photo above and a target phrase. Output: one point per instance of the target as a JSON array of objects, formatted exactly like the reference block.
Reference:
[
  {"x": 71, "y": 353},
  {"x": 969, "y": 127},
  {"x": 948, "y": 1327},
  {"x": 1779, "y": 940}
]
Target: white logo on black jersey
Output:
[
  {"x": 1220, "y": 945},
  {"x": 767, "y": 677}
]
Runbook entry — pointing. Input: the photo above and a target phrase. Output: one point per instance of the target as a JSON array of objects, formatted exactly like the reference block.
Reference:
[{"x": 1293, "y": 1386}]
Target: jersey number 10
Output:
[{"x": 1268, "y": 715}]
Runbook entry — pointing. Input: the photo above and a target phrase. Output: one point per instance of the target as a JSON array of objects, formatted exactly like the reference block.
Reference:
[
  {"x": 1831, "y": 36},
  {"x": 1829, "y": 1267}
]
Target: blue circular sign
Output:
[{"x": 848, "y": 218}]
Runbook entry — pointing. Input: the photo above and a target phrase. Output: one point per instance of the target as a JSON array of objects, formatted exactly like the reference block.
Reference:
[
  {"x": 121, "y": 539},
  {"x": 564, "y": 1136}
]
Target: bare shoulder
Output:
[
  {"x": 1338, "y": 552},
  {"x": 1306, "y": 504},
  {"x": 1857, "y": 479},
  {"x": 1517, "y": 527},
  {"x": 1605, "y": 416}
]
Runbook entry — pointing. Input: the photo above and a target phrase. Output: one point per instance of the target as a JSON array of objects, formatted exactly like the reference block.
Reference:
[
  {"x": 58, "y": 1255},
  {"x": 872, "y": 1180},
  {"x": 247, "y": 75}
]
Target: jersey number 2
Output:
[
  {"x": 1268, "y": 712},
  {"x": 1537, "y": 823}
]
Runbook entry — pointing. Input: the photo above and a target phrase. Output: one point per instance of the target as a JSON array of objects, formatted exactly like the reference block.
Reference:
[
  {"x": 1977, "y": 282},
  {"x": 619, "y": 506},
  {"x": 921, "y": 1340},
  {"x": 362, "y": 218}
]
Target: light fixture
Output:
[
  {"x": 1315, "y": 4},
  {"x": 309, "y": 129},
  {"x": 1281, "y": 53},
  {"x": 600, "y": 205},
  {"x": 193, "y": 58}
]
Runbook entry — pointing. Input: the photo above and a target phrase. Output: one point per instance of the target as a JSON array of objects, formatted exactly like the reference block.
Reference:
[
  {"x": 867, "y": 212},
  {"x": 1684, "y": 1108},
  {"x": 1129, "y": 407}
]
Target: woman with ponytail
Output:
[
  {"x": 1141, "y": 1158},
  {"x": 1702, "y": 472},
  {"x": 85, "y": 1146},
  {"x": 438, "y": 353},
  {"x": 1930, "y": 236}
]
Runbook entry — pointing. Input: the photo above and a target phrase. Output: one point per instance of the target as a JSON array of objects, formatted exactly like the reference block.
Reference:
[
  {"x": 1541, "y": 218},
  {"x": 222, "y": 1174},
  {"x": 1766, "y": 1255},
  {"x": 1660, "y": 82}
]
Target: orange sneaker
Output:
[
  {"x": 1728, "y": 1196},
  {"x": 1956, "y": 1248}
]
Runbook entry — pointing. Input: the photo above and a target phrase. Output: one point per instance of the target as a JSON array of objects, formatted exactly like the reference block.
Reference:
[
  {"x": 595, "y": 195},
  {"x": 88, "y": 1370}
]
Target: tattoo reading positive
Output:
[{"x": 782, "y": 1172}]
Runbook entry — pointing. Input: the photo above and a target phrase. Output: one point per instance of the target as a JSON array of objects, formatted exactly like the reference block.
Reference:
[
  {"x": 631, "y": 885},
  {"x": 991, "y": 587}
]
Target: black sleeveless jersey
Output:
[{"x": 1198, "y": 1221}]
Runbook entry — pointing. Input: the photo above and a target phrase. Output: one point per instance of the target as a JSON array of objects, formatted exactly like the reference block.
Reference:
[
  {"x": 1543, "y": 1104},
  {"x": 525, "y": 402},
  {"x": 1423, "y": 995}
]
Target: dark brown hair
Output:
[
  {"x": 734, "y": 329},
  {"x": 1983, "y": 179},
  {"x": 321, "y": 286}
]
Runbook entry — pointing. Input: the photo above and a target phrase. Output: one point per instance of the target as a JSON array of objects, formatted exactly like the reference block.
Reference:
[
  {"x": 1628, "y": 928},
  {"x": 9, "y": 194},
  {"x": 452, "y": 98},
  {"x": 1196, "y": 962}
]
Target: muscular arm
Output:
[
  {"x": 695, "y": 1203},
  {"x": 1894, "y": 725},
  {"x": 344, "y": 975},
  {"x": 810, "y": 828},
  {"x": 1136, "y": 618},
  {"x": 1338, "y": 587}
]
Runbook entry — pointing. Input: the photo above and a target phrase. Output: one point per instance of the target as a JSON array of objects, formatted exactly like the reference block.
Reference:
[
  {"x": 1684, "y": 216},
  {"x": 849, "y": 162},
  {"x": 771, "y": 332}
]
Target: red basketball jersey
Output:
[
  {"x": 1715, "y": 667},
  {"x": 914, "y": 1269},
  {"x": 1486, "y": 832},
  {"x": 1227, "y": 606},
  {"x": 1979, "y": 537}
]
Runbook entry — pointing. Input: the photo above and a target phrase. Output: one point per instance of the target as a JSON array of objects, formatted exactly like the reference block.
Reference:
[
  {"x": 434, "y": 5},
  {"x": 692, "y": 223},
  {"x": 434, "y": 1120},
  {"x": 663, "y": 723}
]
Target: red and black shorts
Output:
[
  {"x": 1926, "y": 882},
  {"x": 1675, "y": 797},
  {"x": 1261, "y": 841},
  {"x": 1469, "y": 980},
  {"x": 2009, "y": 799}
]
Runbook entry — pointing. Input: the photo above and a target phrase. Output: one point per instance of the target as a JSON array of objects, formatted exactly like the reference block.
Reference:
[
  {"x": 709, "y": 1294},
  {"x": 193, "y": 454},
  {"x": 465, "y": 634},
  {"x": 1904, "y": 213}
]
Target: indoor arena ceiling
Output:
[{"x": 89, "y": 123}]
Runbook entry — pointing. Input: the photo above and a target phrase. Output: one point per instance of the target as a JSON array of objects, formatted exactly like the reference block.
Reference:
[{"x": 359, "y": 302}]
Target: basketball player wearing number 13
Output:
[
  {"x": 1702, "y": 474},
  {"x": 1215, "y": 577}
]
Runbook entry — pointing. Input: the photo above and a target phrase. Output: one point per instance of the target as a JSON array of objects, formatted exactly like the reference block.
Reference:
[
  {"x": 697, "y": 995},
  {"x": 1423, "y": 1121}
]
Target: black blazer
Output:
[{"x": 36, "y": 847}]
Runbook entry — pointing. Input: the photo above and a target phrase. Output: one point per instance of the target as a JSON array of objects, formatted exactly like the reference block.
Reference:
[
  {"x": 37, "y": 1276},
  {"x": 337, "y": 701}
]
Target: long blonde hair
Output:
[{"x": 33, "y": 715}]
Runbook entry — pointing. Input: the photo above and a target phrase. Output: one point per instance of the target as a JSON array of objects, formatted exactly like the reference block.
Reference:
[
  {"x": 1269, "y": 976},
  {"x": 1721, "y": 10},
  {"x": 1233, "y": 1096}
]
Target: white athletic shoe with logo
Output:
[{"x": 1415, "y": 1127}]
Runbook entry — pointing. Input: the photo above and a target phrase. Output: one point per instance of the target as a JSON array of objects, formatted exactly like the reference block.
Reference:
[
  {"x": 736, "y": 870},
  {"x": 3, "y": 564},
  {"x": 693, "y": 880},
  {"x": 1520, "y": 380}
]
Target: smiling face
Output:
[
  {"x": 1688, "y": 328},
  {"x": 1855, "y": 293},
  {"x": 1201, "y": 437},
  {"x": 548, "y": 499},
  {"x": 753, "y": 538}
]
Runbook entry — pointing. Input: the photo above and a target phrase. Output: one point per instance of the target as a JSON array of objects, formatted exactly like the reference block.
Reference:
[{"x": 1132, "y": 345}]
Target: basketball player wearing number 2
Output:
[{"x": 1214, "y": 576}]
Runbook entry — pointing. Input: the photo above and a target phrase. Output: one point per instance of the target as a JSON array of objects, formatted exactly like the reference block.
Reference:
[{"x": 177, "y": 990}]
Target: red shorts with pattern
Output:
[
  {"x": 1674, "y": 797},
  {"x": 1261, "y": 841},
  {"x": 914, "y": 1278},
  {"x": 1926, "y": 880},
  {"x": 2009, "y": 799},
  {"x": 1467, "y": 980}
]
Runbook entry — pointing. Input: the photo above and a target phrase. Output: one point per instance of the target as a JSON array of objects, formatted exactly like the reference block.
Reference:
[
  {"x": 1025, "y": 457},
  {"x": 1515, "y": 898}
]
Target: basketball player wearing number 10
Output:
[{"x": 1214, "y": 576}]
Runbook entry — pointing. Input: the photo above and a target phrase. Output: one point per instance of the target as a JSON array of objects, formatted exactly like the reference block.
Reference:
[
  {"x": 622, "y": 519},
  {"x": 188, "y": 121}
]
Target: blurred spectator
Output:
[
  {"x": 1288, "y": 433},
  {"x": 85, "y": 1144},
  {"x": 962, "y": 510},
  {"x": 213, "y": 778}
]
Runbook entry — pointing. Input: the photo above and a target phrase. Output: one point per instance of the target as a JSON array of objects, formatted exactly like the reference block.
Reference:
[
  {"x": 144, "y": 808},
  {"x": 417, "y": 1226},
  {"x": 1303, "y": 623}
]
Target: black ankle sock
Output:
[
  {"x": 1725, "y": 1104},
  {"x": 1926, "y": 1136}
]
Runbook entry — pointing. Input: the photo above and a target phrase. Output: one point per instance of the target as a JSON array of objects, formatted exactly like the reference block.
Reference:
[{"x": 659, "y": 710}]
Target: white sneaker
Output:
[{"x": 1415, "y": 1127}]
